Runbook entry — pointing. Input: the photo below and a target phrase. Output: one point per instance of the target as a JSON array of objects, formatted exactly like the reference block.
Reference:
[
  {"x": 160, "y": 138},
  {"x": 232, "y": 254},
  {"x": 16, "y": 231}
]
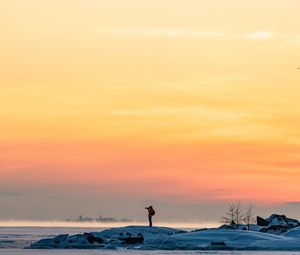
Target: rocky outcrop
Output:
[
  {"x": 262, "y": 222},
  {"x": 276, "y": 219},
  {"x": 93, "y": 239},
  {"x": 72, "y": 242},
  {"x": 275, "y": 229},
  {"x": 160, "y": 238},
  {"x": 277, "y": 224},
  {"x": 126, "y": 237},
  {"x": 129, "y": 239},
  {"x": 225, "y": 226}
]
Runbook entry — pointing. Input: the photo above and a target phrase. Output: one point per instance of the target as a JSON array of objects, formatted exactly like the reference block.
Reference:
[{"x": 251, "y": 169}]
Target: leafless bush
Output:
[
  {"x": 249, "y": 216},
  {"x": 234, "y": 215}
]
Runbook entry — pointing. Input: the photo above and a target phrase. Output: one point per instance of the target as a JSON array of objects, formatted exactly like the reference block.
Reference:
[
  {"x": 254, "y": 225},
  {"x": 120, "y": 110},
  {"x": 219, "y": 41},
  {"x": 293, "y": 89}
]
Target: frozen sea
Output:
[{"x": 13, "y": 240}]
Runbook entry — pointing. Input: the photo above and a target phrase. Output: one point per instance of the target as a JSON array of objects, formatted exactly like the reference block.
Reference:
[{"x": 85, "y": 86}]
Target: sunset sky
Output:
[{"x": 109, "y": 106}]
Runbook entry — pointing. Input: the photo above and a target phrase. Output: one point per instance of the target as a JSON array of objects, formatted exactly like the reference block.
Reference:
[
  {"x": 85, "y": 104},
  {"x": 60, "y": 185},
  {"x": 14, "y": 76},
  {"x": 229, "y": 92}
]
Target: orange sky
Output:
[{"x": 188, "y": 101}]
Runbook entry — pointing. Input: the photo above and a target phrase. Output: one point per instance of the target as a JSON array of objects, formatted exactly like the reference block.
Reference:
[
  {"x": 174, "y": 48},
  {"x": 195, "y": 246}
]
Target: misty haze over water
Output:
[{"x": 95, "y": 224}]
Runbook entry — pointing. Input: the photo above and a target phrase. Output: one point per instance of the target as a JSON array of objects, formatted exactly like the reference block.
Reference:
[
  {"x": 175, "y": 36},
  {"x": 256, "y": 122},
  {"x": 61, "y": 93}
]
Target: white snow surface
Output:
[
  {"x": 162, "y": 238},
  {"x": 294, "y": 232}
]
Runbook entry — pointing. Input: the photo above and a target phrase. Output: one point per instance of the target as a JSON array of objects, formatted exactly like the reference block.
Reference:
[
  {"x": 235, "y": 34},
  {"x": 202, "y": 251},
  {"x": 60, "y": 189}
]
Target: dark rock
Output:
[
  {"x": 277, "y": 224},
  {"x": 276, "y": 229},
  {"x": 283, "y": 219},
  {"x": 199, "y": 229},
  {"x": 232, "y": 223},
  {"x": 44, "y": 244},
  {"x": 225, "y": 226},
  {"x": 221, "y": 243},
  {"x": 277, "y": 217},
  {"x": 92, "y": 239},
  {"x": 262, "y": 222},
  {"x": 292, "y": 222},
  {"x": 60, "y": 238},
  {"x": 132, "y": 239}
]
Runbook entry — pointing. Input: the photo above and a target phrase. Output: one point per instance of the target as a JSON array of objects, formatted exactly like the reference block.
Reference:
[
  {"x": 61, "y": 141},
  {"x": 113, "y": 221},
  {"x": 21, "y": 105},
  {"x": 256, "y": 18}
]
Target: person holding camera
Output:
[{"x": 151, "y": 213}]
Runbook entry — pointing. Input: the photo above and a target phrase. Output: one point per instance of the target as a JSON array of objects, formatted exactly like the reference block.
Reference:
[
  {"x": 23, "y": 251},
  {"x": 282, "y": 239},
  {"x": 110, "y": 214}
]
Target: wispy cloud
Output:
[
  {"x": 187, "y": 33},
  {"x": 293, "y": 203},
  {"x": 211, "y": 115},
  {"x": 153, "y": 32},
  {"x": 203, "y": 111},
  {"x": 257, "y": 35}
]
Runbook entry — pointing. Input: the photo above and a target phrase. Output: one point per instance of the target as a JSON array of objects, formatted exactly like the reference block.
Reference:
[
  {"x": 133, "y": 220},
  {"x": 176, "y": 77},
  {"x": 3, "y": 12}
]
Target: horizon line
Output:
[{"x": 75, "y": 224}]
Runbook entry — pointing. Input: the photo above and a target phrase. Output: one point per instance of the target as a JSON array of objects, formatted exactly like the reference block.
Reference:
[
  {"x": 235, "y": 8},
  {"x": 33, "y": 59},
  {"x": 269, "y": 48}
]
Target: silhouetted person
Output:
[{"x": 151, "y": 213}]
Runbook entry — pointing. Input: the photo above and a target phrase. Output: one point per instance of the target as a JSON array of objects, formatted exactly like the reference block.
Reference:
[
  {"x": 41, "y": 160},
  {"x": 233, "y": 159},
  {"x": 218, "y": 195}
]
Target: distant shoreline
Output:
[{"x": 99, "y": 219}]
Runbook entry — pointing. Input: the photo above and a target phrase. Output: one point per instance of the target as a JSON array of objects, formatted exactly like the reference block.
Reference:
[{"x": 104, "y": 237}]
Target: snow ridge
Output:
[{"x": 163, "y": 238}]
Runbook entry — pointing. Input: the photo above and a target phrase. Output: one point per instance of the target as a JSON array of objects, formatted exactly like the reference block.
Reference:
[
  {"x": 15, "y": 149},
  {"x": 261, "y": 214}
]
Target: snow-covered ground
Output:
[
  {"x": 162, "y": 238},
  {"x": 21, "y": 237},
  {"x": 139, "y": 252}
]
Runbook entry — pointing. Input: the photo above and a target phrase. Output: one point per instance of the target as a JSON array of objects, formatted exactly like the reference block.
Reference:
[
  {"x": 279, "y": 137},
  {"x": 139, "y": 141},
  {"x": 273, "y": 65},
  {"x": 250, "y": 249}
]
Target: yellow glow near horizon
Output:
[{"x": 74, "y": 224}]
